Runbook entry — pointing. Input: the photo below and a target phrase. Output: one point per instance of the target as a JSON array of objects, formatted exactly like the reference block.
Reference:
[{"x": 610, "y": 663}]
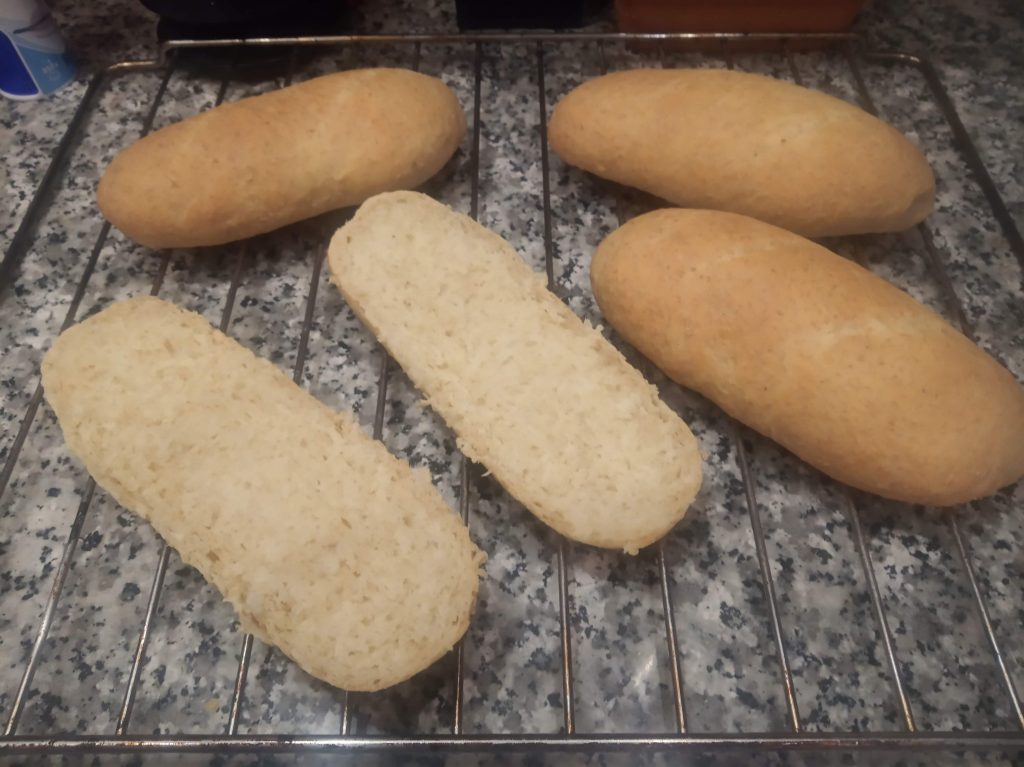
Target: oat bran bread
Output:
[
  {"x": 536, "y": 395},
  {"x": 251, "y": 166},
  {"x": 723, "y": 140},
  {"x": 328, "y": 546},
  {"x": 810, "y": 349}
]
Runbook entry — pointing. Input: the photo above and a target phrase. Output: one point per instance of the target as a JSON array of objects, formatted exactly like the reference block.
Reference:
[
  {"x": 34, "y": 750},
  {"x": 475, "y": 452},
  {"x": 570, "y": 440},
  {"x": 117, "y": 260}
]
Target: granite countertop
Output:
[{"x": 622, "y": 684}]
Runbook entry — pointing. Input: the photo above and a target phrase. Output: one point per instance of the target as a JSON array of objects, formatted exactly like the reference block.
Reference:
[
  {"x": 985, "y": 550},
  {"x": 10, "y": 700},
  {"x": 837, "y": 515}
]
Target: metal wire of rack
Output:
[{"x": 795, "y": 737}]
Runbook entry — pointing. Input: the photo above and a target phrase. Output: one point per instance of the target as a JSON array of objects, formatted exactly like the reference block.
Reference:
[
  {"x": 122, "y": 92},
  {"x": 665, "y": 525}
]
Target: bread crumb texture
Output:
[
  {"x": 746, "y": 143},
  {"x": 810, "y": 349},
  {"x": 253, "y": 165},
  {"x": 328, "y": 546},
  {"x": 537, "y": 396}
]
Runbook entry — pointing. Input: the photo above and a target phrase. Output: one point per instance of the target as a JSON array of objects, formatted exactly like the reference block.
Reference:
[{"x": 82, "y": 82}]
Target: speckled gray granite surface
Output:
[{"x": 730, "y": 671}]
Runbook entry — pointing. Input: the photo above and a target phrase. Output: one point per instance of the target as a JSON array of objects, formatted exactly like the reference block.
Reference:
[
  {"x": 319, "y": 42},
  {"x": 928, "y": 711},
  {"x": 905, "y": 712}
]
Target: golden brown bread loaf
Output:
[
  {"x": 254, "y": 165},
  {"x": 821, "y": 355},
  {"x": 746, "y": 143},
  {"x": 536, "y": 395},
  {"x": 327, "y": 545}
]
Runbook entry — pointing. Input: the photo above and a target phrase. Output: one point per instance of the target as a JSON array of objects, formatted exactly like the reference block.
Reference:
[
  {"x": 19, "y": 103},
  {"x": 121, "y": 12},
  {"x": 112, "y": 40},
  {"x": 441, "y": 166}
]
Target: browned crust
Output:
[
  {"x": 749, "y": 144},
  {"x": 255, "y": 165},
  {"x": 821, "y": 355}
]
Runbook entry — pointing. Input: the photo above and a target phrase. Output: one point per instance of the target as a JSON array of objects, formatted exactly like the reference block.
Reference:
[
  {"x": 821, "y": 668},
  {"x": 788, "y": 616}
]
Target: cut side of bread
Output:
[
  {"x": 537, "y": 396},
  {"x": 328, "y": 546}
]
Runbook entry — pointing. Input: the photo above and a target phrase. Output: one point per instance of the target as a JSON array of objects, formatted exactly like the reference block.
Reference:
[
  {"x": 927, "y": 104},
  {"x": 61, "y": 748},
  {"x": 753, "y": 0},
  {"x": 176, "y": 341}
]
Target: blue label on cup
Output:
[
  {"x": 14, "y": 77},
  {"x": 33, "y": 58}
]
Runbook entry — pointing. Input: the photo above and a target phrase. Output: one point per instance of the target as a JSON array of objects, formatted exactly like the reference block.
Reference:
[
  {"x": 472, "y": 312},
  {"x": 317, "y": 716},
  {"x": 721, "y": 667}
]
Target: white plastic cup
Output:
[{"x": 34, "y": 61}]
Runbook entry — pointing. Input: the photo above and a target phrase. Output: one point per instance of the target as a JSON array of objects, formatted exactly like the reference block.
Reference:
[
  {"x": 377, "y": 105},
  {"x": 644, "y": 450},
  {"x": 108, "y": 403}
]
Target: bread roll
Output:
[
  {"x": 254, "y": 165},
  {"x": 827, "y": 359},
  {"x": 534, "y": 394},
  {"x": 745, "y": 143},
  {"x": 328, "y": 546}
]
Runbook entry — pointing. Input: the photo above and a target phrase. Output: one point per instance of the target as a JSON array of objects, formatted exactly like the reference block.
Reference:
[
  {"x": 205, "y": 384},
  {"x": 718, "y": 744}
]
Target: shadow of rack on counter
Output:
[{"x": 910, "y": 726}]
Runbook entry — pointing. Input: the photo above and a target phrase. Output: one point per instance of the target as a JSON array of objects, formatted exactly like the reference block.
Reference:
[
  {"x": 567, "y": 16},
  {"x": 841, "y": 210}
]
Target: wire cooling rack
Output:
[{"x": 659, "y": 718}]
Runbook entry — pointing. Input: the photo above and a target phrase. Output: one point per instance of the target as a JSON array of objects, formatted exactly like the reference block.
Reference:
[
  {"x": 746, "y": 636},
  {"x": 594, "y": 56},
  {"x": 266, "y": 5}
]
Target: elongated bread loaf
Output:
[
  {"x": 327, "y": 545},
  {"x": 254, "y": 165},
  {"x": 534, "y": 394},
  {"x": 745, "y": 143},
  {"x": 832, "y": 362}
]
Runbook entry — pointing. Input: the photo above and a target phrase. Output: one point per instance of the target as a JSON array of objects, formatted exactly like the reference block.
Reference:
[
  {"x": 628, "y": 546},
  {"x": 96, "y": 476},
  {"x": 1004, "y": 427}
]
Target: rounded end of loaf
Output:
[
  {"x": 634, "y": 512},
  {"x": 134, "y": 202},
  {"x": 893, "y": 200},
  {"x": 560, "y": 130},
  {"x": 843, "y": 369},
  {"x": 921, "y": 204},
  {"x": 125, "y": 199}
]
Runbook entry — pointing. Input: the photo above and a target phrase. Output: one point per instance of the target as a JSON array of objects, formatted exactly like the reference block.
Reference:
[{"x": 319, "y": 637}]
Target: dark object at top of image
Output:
[
  {"x": 216, "y": 19},
  {"x": 524, "y": 14}
]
